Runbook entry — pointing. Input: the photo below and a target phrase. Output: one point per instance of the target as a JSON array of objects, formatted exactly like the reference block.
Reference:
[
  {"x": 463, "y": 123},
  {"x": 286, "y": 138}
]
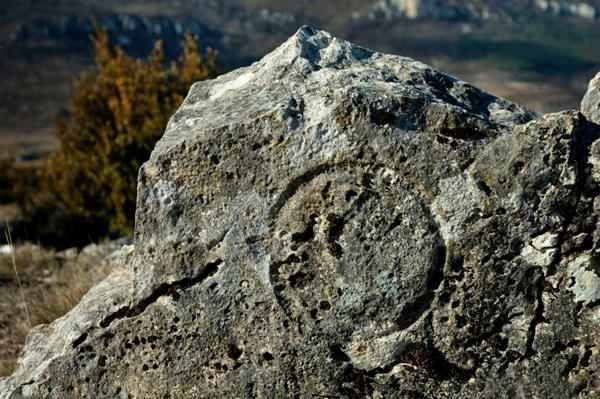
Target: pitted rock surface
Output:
[{"x": 334, "y": 222}]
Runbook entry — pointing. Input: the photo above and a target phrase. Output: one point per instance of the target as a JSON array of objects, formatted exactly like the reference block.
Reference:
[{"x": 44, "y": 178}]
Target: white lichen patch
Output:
[
  {"x": 235, "y": 84},
  {"x": 536, "y": 257},
  {"x": 457, "y": 204},
  {"x": 164, "y": 193},
  {"x": 541, "y": 251},
  {"x": 586, "y": 282},
  {"x": 545, "y": 241}
]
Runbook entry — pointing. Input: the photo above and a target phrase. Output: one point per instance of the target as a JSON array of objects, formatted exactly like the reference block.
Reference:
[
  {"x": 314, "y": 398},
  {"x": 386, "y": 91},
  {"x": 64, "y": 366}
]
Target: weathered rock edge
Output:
[{"x": 334, "y": 222}]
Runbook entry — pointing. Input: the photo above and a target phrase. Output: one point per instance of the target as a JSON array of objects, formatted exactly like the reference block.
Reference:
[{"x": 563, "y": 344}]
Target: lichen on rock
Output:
[{"x": 335, "y": 222}]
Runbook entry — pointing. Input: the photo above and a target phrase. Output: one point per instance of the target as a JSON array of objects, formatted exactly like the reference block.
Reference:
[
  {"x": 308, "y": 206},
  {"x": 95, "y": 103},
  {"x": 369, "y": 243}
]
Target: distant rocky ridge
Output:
[
  {"x": 44, "y": 43},
  {"x": 427, "y": 9},
  {"x": 135, "y": 33},
  {"x": 473, "y": 10},
  {"x": 336, "y": 222},
  {"x": 224, "y": 24},
  {"x": 580, "y": 9}
]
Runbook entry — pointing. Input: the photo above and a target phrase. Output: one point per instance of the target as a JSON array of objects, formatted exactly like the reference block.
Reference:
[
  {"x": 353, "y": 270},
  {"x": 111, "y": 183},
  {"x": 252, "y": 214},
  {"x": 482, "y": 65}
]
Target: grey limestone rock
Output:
[{"x": 338, "y": 223}]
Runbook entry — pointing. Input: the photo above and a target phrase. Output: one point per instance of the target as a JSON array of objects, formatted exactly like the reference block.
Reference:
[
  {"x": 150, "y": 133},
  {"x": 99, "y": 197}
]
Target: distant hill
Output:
[{"x": 539, "y": 52}]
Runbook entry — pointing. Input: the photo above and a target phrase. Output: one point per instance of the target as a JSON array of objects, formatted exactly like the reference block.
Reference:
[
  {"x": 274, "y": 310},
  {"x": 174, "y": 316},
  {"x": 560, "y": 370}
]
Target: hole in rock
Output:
[
  {"x": 233, "y": 352},
  {"x": 338, "y": 354},
  {"x": 518, "y": 166},
  {"x": 304, "y": 236},
  {"x": 484, "y": 187},
  {"x": 382, "y": 117},
  {"x": 411, "y": 394},
  {"x": 325, "y": 191},
  {"x": 585, "y": 360},
  {"x": 441, "y": 139},
  {"x": 279, "y": 287},
  {"x": 350, "y": 194},
  {"x": 336, "y": 250},
  {"x": 395, "y": 223},
  {"x": 445, "y": 297},
  {"x": 300, "y": 279},
  {"x": 79, "y": 340},
  {"x": 433, "y": 362}
]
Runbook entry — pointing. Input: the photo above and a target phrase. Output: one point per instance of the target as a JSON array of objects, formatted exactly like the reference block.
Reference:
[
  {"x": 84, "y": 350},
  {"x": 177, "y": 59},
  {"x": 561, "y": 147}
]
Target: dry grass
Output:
[
  {"x": 50, "y": 286},
  {"x": 14, "y": 265}
]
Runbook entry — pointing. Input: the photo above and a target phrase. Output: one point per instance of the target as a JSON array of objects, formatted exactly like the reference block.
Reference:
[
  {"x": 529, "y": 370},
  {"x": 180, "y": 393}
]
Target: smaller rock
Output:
[
  {"x": 590, "y": 106},
  {"x": 459, "y": 201}
]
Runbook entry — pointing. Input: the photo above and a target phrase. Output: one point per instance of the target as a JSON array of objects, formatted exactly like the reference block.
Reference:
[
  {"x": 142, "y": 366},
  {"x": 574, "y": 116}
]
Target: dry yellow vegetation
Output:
[
  {"x": 52, "y": 284},
  {"x": 118, "y": 112}
]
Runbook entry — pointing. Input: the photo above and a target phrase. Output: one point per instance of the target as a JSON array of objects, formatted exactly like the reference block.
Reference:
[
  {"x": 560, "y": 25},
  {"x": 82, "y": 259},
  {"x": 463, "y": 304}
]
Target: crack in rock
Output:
[{"x": 165, "y": 289}]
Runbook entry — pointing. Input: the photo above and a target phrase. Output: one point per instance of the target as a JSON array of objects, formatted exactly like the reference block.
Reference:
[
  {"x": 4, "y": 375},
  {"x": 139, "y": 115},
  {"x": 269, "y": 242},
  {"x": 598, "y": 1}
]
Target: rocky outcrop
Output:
[
  {"x": 509, "y": 11},
  {"x": 334, "y": 222},
  {"x": 590, "y": 106},
  {"x": 136, "y": 33}
]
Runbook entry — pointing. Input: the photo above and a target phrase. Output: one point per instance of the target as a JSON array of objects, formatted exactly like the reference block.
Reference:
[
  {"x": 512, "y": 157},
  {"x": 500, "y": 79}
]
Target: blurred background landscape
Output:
[
  {"x": 87, "y": 89},
  {"x": 539, "y": 53}
]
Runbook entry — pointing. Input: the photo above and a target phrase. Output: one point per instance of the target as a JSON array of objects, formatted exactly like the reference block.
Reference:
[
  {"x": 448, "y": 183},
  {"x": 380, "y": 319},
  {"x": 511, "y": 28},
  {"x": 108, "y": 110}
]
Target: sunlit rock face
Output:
[{"x": 334, "y": 222}]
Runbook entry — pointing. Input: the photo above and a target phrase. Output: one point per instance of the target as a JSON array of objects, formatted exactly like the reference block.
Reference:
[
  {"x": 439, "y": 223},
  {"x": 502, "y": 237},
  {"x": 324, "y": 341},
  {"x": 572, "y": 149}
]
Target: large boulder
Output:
[{"x": 334, "y": 222}]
